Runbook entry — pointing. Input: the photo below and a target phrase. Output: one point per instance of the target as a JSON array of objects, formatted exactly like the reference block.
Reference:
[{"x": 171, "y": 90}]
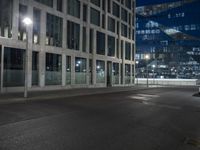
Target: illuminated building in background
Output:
[{"x": 169, "y": 30}]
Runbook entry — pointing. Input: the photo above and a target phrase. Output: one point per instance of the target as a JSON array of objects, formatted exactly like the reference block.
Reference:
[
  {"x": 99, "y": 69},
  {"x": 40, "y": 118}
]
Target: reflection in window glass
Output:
[
  {"x": 53, "y": 69},
  {"x": 6, "y": 13},
  {"x": 21, "y": 28},
  {"x": 68, "y": 70},
  {"x": 13, "y": 67},
  {"x": 35, "y": 68},
  {"x": 80, "y": 70},
  {"x": 115, "y": 73},
  {"x": 127, "y": 73},
  {"x": 100, "y": 71}
]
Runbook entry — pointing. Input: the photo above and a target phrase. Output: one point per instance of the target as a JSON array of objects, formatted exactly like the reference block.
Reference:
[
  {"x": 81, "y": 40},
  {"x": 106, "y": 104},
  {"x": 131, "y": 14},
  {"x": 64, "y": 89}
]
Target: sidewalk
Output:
[{"x": 53, "y": 94}]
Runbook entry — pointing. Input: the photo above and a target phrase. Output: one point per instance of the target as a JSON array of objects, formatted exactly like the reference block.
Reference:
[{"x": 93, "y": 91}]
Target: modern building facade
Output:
[
  {"x": 71, "y": 43},
  {"x": 169, "y": 31}
]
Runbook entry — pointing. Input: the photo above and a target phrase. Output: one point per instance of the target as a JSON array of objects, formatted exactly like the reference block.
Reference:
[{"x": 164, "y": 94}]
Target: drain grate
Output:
[{"x": 193, "y": 142}]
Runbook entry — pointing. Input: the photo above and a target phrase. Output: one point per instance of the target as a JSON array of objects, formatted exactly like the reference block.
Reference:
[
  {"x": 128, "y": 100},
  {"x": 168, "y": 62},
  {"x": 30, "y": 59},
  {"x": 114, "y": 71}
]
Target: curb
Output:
[{"x": 51, "y": 97}]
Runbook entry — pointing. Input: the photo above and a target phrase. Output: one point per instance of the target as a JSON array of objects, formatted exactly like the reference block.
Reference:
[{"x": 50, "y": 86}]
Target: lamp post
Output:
[
  {"x": 154, "y": 66},
  {"x": 147, "y": 58},
  {"x": 137, "y": 62},
  {"x": 27, "y": 22}
]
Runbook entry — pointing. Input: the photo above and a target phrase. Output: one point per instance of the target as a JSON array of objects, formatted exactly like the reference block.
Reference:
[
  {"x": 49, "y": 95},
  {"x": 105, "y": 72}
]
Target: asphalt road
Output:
[{"x": 153, "y": 119}]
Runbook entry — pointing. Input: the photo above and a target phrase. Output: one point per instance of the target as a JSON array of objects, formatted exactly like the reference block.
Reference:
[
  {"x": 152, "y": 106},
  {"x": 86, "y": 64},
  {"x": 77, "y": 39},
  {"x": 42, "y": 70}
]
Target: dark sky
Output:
[{"x": 149, "y": 2}]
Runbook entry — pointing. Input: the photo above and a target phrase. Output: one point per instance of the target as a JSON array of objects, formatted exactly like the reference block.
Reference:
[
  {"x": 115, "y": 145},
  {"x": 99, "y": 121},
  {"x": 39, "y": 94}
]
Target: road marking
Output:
[{"x": 144, "y": 97}]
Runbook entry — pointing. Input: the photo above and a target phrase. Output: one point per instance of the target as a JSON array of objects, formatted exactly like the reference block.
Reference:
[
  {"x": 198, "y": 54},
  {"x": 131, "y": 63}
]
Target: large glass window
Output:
[
  {"x": 128, "y": 3},
  {"x": 68, "y": 70},
  {"x": 46, "y": 2},
  {"x": 111, "y": 46},
  {"x": 21, "y": 28},
  {"x": 100, "y": 71},
  {"x": 54, "y": 30},
  {"x": 84, "y": 41},
  {"x": 60, "y": 5},
  {"x": 91, "y": 40},
  {"x": 73, "y": 8},
  {"x": 36, "y": 25},
  {"x": 80, "y": 70},
  {"x": 115, "y": 73},
  {"x": 6, "y": 13},
  {"x": 128, "y": 51},
  {"x": 111, "y": 24},
  {"x": 85, "y": 8},
  {"x": 53, "y": 69},
  {"x": 73, "y": 35},
  {"x": 115, "y": 9},
  {"x": 13, "y": 67},
  {"x": 35, "y": 68},
  {"x": 124, "y": 14},
  {"x": 124, "y": 30},
  {"x": 100, "y": 43},
  {"x": 127, "y": 73},
  {"x": 94, "y": 16}
]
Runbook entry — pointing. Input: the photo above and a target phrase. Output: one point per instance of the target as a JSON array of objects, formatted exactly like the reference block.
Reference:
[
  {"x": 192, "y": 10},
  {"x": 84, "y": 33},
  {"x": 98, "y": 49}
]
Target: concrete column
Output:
[
  {"x": 123, "y": 64},
  {"x": 42, "y": 56},
  {"x": 63, "y": 70},
  {"x": 15, "y": 21},
  {"x": 2, "y": 68},
  {"x": 73, "y": 70},
  {"x": 94, "y": 59},
  {"x": 30, "y": 46}
]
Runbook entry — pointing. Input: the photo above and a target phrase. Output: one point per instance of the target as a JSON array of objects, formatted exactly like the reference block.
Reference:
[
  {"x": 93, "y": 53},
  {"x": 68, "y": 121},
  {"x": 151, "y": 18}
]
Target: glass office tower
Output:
[{"x": 168, "y": 30}]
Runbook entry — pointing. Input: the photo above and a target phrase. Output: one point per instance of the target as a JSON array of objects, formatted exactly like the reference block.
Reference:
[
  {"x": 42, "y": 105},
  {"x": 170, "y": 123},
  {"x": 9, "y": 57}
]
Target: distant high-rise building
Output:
[
  {"x": 71, "y": 43},
  {"x": 169, "y": 30}
]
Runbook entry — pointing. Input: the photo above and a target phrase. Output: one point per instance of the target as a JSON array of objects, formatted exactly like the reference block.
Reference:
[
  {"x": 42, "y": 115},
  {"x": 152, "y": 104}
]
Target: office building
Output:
[{"x": 71, "y": 43}]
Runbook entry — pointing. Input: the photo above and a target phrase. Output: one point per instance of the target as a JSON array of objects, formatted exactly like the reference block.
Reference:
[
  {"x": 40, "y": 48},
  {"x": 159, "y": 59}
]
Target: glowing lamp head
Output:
[
  {"x": 27, "y": 21},
  {"x": 153, "y": 66},
  {"x": 137, "y": 62},
  {"x": 147, "y": 57}
]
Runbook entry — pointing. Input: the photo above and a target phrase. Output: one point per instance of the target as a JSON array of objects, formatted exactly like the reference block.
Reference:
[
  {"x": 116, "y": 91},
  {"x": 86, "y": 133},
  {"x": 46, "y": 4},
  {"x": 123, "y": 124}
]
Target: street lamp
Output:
[
  {"x": 27, "y": 22},
  {"x": 147, "y": 57},
  {"x": 137, "y": 62},
  {"x": 154, "y": 66}
]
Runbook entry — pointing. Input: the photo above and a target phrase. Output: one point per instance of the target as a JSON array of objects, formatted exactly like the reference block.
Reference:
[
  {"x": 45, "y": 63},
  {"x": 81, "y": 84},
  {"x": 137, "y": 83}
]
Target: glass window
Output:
[
  {"x": 60, "y": 5},
  {"x": 124, "y": 30},
  {"x": 91, "y": 40},
  {"x": 128, "y": 51},
  {"x": 6, "y": 14},
  {"x": 68, "y": 70},
  {"x": 53, "y": 69},
  {"x": 100, "y": 71},
  {"x": 109, "y": 6},
  {"x": 111, "y": 24},
  {"x": 35, "y": 68},
  {"x": 46, "y": 2},
  {"x": 95, "y": 16},
  {"x": 128, "y": 3},
  {"x": 127, "y": 73},
  {"x": 124, "y": 14},
  {"x": 13, "y": 67},
  {"x": 54, "y": 26},
  {"x": 111, "y": 46},
  {"x": 80, "y": 70},
  {"x": 100, "y": 43},
  {"x": 21, "y": 28},
  {"x": 90, "y": 71},
  {"x": 96, "y": 2},
  {"x": 36, "y": 25},
  {"x": 73, "y": 8},
  {"x": 115, "y": 73},
  {"x": 84, "y": 41},
  {"x": 73, "y": 35},
  {"x": 115, "y": 9},
  {"x": 133, "y": 52},
  {"x": 85, "y": 12}
]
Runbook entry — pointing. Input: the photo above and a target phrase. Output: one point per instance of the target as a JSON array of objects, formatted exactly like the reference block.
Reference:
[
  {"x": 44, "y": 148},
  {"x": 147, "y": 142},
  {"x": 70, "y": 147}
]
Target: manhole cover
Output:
[{"x": 193, "y": 142}]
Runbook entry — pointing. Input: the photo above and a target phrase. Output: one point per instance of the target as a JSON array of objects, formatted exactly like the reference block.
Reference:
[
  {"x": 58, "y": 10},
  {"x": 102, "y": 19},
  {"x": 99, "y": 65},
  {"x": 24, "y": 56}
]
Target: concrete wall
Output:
[{"x": 179, "y": 82}]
